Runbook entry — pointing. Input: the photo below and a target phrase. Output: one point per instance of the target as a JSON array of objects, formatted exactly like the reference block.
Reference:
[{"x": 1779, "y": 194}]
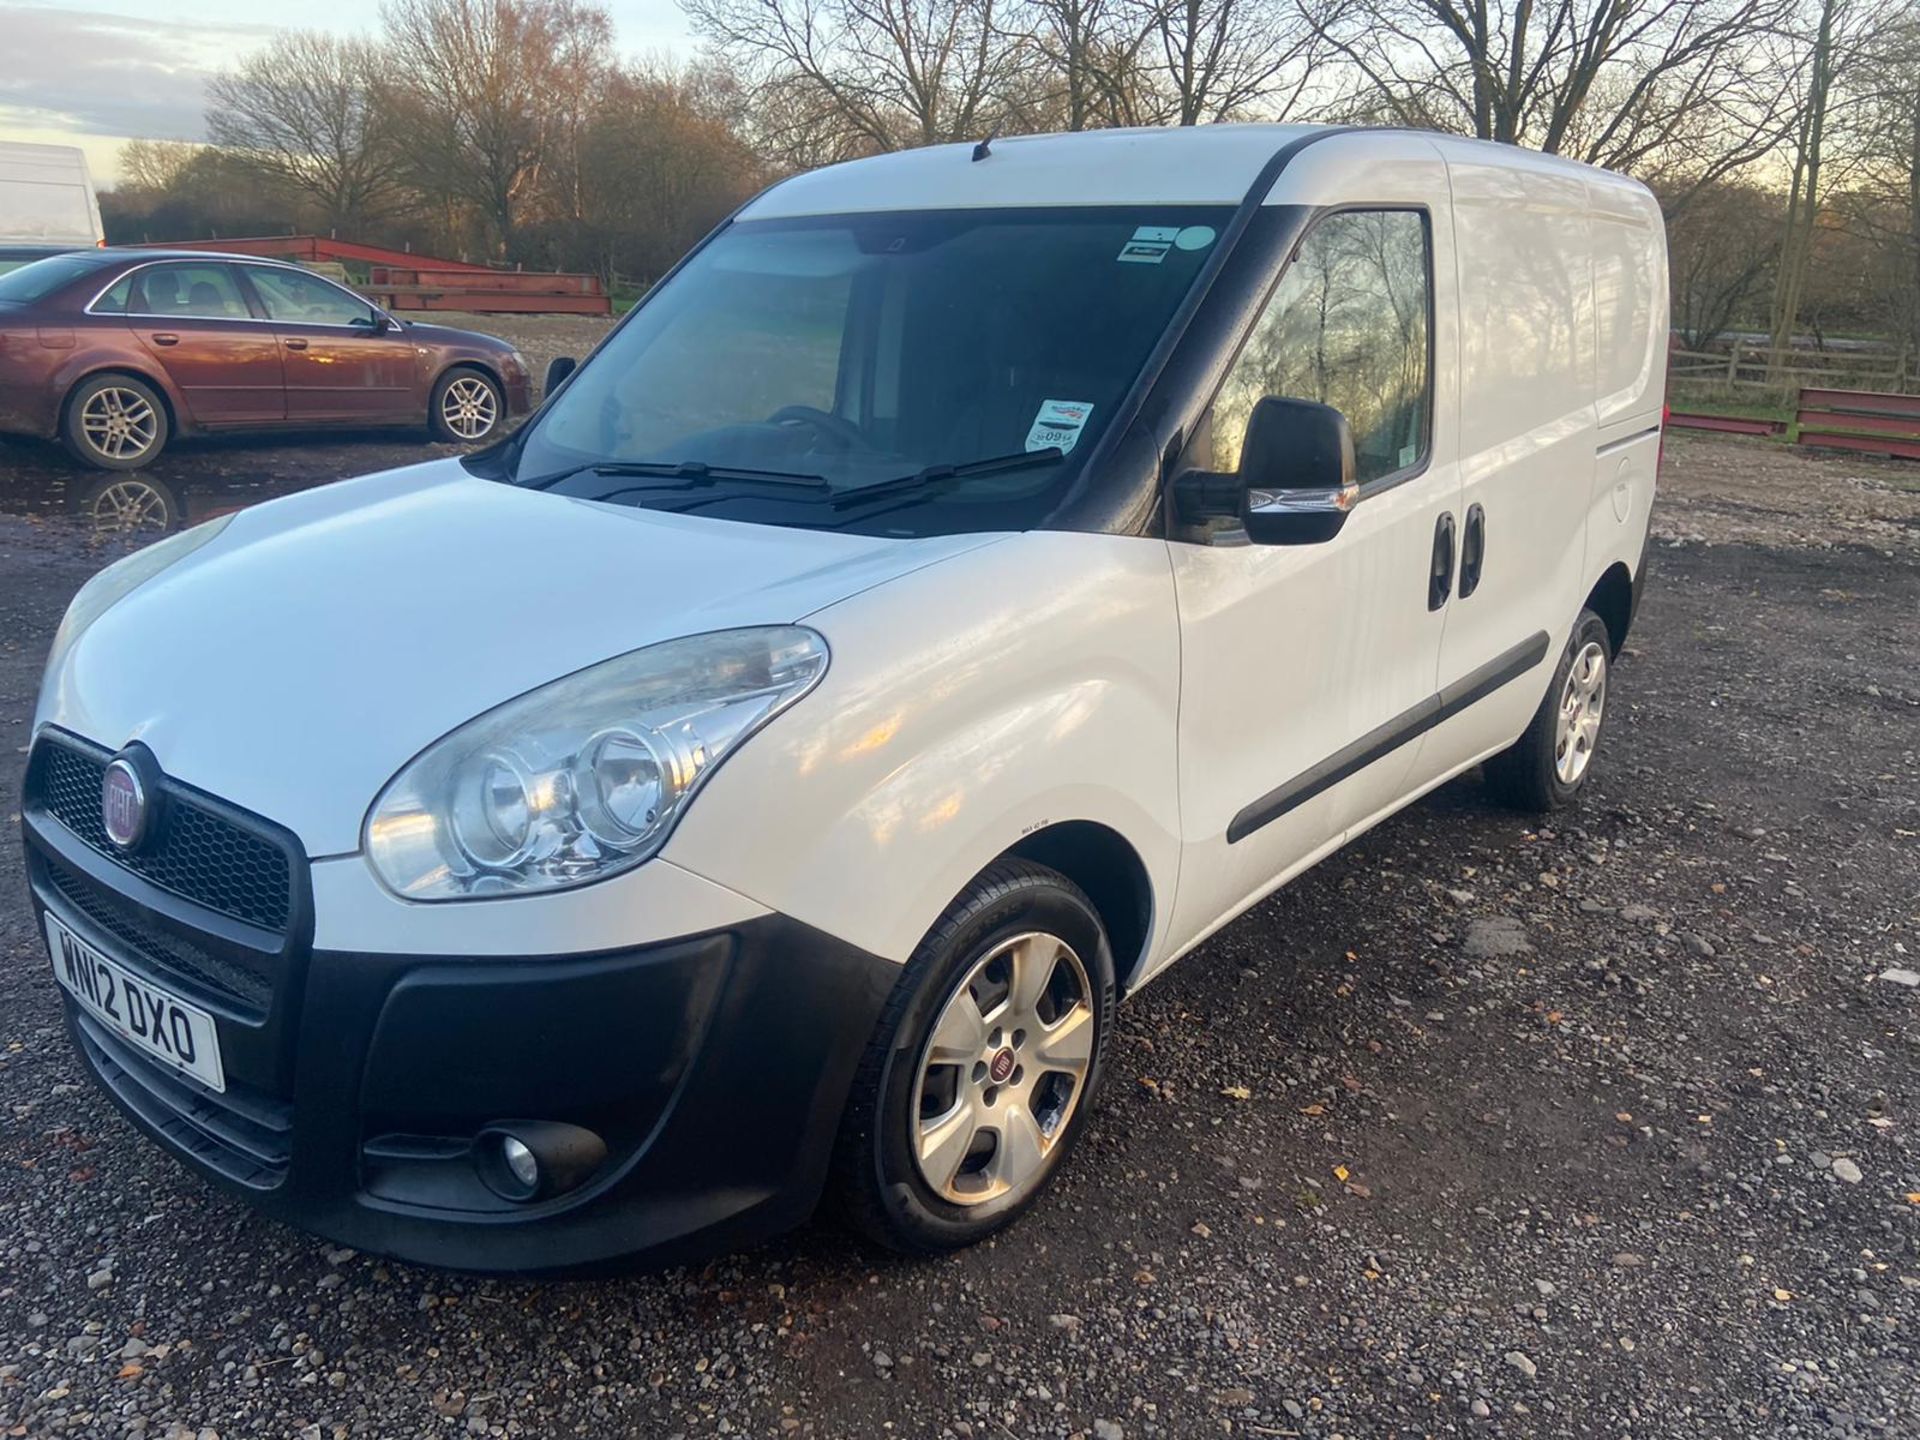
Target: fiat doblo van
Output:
[{"x": 969, "y": 580}]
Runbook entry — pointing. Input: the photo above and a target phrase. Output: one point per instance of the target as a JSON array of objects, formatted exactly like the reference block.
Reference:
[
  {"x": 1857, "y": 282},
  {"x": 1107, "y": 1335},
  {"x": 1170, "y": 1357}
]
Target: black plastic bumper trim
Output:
[
  {"x": 715, "y": 1066},
  {"x": 1383, "y": 740}
]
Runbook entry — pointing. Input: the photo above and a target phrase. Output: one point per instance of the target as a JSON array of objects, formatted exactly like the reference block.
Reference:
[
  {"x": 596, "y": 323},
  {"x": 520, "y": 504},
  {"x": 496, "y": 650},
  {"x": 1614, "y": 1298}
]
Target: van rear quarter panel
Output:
[{"x": 1026, "y": 683}]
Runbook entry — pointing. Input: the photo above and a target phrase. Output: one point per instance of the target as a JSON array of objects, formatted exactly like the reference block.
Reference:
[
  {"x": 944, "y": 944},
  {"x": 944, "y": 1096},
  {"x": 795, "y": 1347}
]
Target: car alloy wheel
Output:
[
  {"x": 1583, "y": 701},
  {"x": 121, "y": 424},
  {"x": 1003, "y": 1071},
  {"x": 469, "y": 408}
]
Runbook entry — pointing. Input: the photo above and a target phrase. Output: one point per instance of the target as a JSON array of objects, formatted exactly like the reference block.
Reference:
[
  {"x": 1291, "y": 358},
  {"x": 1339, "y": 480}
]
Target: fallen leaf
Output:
[
  {"x": 1315, "y": 1109},
  {"x": 1625, "y": 1117},
  {"x": 1340, "y": 1172},
  {"x": 1913, "y": 1197},
  {"x": 1354, "y": 1187},
  {"x": 1237, "y": 1092},
  {"x": 130, "y": 1371}
]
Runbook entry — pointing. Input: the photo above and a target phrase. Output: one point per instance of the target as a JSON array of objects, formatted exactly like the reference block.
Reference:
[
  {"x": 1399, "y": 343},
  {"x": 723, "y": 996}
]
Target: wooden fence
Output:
[{"x": 1747, "y": 367}]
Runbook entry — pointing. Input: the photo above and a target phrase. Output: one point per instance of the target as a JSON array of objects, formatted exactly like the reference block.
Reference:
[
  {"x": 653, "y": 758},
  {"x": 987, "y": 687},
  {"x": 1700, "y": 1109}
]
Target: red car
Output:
[{"x": 116, "y": 351}]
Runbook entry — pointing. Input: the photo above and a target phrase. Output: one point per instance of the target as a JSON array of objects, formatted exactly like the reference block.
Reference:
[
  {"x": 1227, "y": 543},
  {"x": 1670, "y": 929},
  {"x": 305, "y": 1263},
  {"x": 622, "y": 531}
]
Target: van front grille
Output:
[{"x": 197, "y": 853}]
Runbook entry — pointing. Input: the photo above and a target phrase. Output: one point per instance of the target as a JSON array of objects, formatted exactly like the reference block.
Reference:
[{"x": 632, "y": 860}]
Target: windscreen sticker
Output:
[
  {"x": 1058, "y": 423},
  {"x": 1194, "y": 237},
  {"x": 1149, "y": 244}
]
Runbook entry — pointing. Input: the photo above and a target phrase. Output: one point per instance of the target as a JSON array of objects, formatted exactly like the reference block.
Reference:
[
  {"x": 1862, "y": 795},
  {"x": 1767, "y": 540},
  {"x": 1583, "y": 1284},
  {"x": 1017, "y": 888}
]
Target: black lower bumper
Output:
[{"x": 714, "y": 1068}]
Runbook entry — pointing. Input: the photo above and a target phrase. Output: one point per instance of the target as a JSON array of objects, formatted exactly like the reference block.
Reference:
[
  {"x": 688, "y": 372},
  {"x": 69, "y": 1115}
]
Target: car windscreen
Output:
[
  {"x": 40, "y": 278},
  {"x": 892, "y": 374}
]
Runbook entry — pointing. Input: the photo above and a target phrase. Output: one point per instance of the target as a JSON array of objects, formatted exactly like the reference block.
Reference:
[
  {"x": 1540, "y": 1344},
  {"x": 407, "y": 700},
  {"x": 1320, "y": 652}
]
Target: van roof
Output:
[{"x": 1164, "y": 165}]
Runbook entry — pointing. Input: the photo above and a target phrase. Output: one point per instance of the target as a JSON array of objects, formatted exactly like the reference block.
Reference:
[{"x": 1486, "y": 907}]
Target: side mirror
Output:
[
  {"x": 389, "y": 325},
  {"x": 1295, "y": 484},
  {"x": 558, "y": 369}
]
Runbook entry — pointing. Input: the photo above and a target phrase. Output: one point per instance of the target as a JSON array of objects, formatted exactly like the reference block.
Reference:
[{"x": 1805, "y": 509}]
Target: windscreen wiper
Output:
[
  {"x": 687, "y": 472},
  {"x": 937, "y": 475}
]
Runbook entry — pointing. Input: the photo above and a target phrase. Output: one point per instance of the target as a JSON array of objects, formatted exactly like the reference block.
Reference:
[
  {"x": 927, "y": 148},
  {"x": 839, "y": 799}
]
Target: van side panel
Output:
[
  {"x": 1629, "y": 304},
  {"x": 967, "y": 705},
  {"x": 1523, "y": 237},
  {"x": 1630, "y": 327}
]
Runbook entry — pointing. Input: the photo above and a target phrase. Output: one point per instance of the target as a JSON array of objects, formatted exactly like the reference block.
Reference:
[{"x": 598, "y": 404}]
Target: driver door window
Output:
[
  {"x": 1348, "y": 326},
  {"x": 303, "y": 299}
]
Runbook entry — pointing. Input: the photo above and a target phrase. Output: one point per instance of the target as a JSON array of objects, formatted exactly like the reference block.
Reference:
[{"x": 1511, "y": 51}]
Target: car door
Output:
[
  {"x": 1306, "y": 670},
  {"x": 1528, "y": 439},
  {"x": 344, "y": 361},
  {"x": 193, "y": 319}
]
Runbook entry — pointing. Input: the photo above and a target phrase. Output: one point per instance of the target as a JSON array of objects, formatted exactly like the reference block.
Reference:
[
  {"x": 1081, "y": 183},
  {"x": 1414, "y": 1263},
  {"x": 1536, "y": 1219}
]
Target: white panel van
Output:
[
  {"x": 970, "y": 579},
  {"x": 46, "y": 196}
]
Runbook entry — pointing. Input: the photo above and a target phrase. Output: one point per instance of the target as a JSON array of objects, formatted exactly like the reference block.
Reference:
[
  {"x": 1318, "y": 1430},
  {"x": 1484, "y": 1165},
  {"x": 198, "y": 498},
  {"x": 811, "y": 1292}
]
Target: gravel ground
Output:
[{"x": 1603, "y": 1129}]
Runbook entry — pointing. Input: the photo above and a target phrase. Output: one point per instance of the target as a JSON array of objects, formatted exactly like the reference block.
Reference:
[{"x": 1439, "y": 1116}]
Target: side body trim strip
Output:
[{"x": 1377, "y": 744}]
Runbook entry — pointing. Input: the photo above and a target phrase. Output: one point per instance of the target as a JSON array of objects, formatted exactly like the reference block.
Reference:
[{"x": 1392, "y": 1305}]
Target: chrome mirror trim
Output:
[{"x": 1338, "y": 501}]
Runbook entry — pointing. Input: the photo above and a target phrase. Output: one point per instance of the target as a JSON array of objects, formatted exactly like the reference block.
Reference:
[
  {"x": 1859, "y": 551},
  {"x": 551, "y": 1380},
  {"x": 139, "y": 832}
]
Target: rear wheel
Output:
[
  {"x": 114, "y": 422},
  {"x": 982, "y": 1069},
  {"x": 1550, "y": 763},
  {"x": 467, "y": 407}
]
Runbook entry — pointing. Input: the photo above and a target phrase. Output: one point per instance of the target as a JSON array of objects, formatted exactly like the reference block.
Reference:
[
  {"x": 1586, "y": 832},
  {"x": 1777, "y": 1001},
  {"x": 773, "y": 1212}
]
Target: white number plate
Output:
[{"x": 163, "y": 1025}]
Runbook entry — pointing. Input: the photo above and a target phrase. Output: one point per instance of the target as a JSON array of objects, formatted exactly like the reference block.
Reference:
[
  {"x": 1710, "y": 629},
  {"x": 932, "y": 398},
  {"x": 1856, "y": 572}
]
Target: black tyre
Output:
[
  {"x": 130, "y": 505},
  {"x": 114, "y": 422},
  {"x": 468, "y": 408},
  {"x": 1550, "y": 763},
  {"x": 983, "y": 1067}
]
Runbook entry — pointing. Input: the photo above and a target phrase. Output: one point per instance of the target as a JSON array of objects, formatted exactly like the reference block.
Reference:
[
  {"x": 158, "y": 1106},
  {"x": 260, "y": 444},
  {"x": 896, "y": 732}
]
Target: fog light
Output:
[
  {"x": 524, "y": 1160},
  {"x": 520, "y": 1162}
]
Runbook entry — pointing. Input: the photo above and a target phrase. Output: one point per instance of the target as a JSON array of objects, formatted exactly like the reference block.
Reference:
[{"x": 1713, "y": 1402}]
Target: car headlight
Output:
[
  {"x": 122, "y": 578},
  {"x": 585, "y": 777}
]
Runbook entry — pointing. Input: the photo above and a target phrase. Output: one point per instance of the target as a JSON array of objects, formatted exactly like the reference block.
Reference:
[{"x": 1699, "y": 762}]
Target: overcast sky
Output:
[{"x": 77, "y": 74}]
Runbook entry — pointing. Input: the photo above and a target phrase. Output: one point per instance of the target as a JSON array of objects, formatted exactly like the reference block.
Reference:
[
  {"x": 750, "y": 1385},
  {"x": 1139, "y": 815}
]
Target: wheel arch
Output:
[
  {"x": 467, "y": 362},
  {"x": 1104, "y": 864},
  {"x": 1612, "y": 600}
]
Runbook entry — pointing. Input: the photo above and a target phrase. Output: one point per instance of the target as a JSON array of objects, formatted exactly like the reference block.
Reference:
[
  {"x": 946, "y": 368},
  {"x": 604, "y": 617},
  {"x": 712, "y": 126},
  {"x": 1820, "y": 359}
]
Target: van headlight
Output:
[{"x": 585, "y": 777}]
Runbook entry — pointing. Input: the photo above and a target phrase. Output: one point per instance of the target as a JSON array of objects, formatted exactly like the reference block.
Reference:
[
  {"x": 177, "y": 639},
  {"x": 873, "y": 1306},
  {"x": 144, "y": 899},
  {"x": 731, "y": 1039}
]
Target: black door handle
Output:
[
  {"x": 1440, "y": 574},
  {"x": 1473, "y": 550}
]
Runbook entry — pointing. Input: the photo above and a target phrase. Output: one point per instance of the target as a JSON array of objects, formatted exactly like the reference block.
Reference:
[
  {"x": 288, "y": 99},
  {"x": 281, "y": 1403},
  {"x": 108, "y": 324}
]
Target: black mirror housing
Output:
[
  {"x": 1295, "y": 484},
  {"x": 558, "y": 369},
  {"x": 1296, "y": 472}
]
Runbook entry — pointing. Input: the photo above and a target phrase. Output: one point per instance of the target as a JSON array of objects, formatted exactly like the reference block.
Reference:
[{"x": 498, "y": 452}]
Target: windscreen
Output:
[{"x": 897, "y": 374}]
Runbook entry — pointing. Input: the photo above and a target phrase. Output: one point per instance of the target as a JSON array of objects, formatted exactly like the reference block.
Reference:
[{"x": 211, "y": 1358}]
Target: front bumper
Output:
[{"x": 715, "y": 1067}]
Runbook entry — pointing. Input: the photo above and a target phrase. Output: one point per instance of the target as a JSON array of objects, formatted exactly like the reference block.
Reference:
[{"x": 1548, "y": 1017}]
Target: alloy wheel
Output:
[
  {"x": 1576, "y": 729},
  {"x": 469, "y": 407},
  {"x": 1003, "y": 1071},
  {"x": 119, "y": 424}
]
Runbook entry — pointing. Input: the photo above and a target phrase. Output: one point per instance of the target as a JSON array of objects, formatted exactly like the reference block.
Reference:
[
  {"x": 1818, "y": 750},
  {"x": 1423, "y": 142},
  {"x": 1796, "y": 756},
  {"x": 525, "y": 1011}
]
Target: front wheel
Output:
[
  {"x": 983, "y": 1067},
  {"x": 467, "y": 408},
  {"x": 1550, "y": 763}
]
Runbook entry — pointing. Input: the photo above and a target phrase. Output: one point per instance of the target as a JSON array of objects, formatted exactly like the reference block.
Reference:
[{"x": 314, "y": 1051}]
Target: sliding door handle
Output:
[
  {"x": 1440, "y": 573},
  {"x": 1473, "y": 550}
]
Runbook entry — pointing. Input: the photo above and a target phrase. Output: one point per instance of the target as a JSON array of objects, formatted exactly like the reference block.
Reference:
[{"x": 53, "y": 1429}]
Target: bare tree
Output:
[
  {"x": 481, "y": 89},
  {"x": 1226, "y": 59},
  {"x": 1093, "y": 62},
  {"x": 1686, "y": 86},
  {"x": 1721, "y": 247},
  {"x": 304, "y": 112},
  {"x": 1838, "y": 39},
  {"x": 154, "y": 165},
  {"x": 886, "y": 73}
]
